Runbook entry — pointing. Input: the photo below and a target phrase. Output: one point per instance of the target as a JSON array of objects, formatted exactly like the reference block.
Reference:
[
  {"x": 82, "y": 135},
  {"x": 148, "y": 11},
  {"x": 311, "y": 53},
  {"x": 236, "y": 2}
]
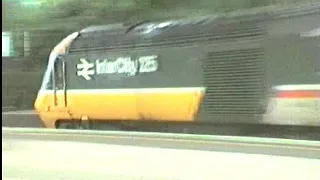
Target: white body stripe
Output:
[
  {"x": 298, "y": 87},
  {"x": 313, "y": 33},
  {"x": 128, "y": 91}
]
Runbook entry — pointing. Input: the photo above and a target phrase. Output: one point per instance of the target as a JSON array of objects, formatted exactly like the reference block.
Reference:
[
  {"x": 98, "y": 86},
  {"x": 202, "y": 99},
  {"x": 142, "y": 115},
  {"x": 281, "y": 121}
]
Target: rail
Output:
[{"x": 151, "y": 135}]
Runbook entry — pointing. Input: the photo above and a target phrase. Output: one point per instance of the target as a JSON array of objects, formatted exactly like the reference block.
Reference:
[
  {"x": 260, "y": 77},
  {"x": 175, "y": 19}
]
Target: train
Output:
[{"x": 246, "y": 68}]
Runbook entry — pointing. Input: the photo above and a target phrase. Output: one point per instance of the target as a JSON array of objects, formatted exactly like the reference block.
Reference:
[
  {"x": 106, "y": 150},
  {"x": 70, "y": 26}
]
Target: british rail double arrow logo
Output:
[{"x": 84, "y": 69}]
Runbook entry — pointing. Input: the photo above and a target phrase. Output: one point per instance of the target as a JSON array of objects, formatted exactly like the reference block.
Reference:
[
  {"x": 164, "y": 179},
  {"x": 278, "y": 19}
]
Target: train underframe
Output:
[{"x": 226, "y": 129}]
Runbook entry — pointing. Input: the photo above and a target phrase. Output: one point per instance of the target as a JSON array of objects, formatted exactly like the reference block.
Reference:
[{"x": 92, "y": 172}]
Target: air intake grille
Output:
[{"x": 234, "y": 81}]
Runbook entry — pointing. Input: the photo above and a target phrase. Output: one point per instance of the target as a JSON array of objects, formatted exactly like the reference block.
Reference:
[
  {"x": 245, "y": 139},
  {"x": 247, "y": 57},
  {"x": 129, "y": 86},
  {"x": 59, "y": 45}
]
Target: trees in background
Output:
[{"x": 74, "y": 14}]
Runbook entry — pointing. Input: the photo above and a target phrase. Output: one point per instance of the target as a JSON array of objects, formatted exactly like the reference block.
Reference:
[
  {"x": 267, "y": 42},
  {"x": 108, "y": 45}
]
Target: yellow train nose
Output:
[{"x": 39, "y": 104}]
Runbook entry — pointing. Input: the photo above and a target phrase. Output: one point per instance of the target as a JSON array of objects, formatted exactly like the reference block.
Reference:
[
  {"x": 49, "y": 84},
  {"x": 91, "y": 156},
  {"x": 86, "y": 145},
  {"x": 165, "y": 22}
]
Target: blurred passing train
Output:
[{"x": 254, "y": 68}]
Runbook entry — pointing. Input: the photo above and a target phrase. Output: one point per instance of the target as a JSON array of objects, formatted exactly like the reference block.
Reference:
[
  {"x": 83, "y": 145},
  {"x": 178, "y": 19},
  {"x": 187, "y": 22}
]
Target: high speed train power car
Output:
[{"x": 200, "y": 70}]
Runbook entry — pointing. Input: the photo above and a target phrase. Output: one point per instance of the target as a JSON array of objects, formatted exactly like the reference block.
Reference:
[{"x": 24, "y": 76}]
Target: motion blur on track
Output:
[{"x": 254, "y": 69}]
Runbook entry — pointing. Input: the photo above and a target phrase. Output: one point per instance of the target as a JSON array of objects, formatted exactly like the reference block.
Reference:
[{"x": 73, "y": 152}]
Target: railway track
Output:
[
  {"x": 29, "y": 119},
  {"x": 34, "y": 153}
]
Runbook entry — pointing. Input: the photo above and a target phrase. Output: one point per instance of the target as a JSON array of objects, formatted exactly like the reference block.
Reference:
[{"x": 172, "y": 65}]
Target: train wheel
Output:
[{"x": 68, "y": 125}]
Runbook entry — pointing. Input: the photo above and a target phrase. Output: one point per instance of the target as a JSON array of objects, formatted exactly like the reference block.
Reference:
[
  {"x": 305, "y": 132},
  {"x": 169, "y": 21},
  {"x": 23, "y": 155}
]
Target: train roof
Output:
[
  {"x": 110, "y": 27},
  {"x": 220, "y": 26}
]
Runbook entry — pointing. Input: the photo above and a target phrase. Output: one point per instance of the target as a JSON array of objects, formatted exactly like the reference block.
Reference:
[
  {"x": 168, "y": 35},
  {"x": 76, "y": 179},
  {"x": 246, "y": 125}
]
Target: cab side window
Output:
[
  {"x": 318, "y": 65},
  {"x": 318, "y": 62},
  {"x": 58, "y": 74}
]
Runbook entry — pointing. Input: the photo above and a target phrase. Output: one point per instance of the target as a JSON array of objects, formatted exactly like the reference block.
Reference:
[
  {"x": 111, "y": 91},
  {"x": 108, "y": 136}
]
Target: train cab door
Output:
[{"x": 59, "y": 101}]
